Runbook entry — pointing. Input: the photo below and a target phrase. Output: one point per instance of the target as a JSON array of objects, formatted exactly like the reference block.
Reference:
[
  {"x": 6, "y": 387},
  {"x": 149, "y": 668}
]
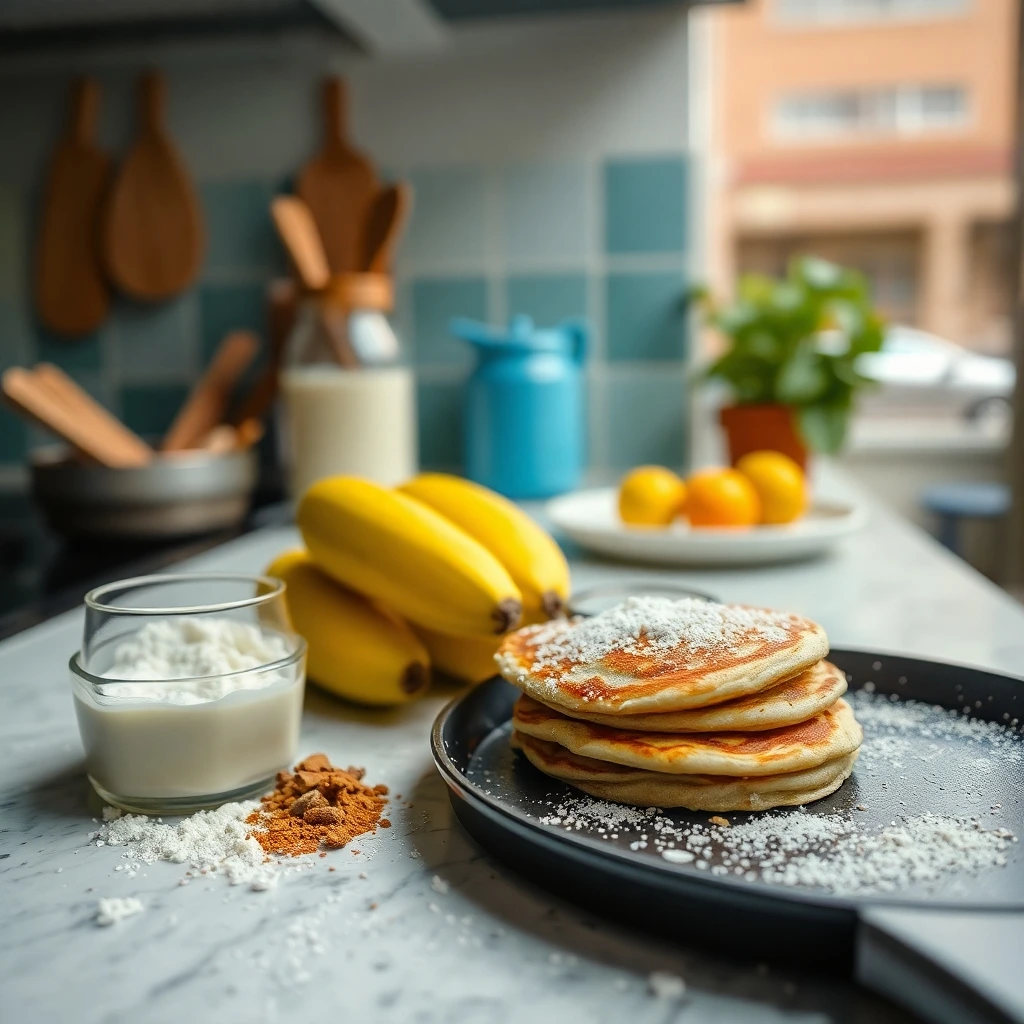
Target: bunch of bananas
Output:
[{"x": 395, "y": 582}]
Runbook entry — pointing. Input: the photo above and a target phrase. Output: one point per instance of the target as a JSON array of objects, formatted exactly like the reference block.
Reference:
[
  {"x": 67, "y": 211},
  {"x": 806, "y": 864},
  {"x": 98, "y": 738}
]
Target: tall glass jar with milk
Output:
[{"x": 349, "y": 406}]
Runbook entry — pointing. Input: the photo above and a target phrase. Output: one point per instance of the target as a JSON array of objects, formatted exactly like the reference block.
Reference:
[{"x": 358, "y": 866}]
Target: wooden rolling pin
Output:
[{"x": 208, "y": 402}]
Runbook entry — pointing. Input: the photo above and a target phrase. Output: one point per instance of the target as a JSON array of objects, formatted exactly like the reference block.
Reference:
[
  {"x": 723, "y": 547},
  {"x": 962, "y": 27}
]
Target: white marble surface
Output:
[{"x": 332, "y": 945}]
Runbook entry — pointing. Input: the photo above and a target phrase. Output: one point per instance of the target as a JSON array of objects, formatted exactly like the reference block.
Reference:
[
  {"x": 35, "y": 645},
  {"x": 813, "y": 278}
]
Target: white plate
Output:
[{"x": 591, "y": 519}]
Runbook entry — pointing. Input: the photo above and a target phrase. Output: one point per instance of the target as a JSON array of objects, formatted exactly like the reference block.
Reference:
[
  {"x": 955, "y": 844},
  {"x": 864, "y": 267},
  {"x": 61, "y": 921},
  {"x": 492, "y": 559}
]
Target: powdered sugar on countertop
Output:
[
  {"x": 208, "y": 842},
  {"x": 651, "y": 626},
  {"x": 114, "y": 909}
]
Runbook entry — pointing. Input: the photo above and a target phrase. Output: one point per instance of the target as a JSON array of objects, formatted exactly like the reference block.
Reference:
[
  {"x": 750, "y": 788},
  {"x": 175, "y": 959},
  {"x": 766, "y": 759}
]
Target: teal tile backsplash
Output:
[
  {"x": 434, "y": 303},
  {"x": 646, "y": 422},
  {"x": 149, "y": 409},
  {"x": 70, "y": 354},
  {"x": 645, "y": 316},
  {"x": 13, "y": 250},
  {"x": 439, "y": 417},
  {"x": 548, "y": 298},
  {"x": 645, "y": 205},
  {"x": 224, "y": 308},
  {"x": 546, "y": 217},
  {"x": 239, "y": 232},
  {"x": 448, "y": 227},
  {"x": 603, "y": 238},
  {"x": 151, "y": 341},
  {"x": 13, "y": 438}
]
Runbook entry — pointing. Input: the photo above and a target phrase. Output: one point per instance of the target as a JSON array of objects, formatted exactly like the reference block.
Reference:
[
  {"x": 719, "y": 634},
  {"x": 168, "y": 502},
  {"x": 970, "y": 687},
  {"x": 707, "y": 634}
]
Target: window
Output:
[
  {"x": 889, "y": 110},
  {"x": 890, "y": 260},
  {"x": 841, "y": 12}
]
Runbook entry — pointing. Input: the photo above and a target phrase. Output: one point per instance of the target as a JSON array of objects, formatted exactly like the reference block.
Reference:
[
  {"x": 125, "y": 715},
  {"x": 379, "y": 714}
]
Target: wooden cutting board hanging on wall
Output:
[
  {"x": 153, "y": 235},
  {"x": 338, "y": 184},
  {"x": 71, "y": 293}
]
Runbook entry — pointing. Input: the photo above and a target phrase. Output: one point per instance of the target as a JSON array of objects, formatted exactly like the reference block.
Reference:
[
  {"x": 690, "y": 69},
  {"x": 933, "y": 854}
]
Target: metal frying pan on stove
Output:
[{"x": 952, "y": 950}]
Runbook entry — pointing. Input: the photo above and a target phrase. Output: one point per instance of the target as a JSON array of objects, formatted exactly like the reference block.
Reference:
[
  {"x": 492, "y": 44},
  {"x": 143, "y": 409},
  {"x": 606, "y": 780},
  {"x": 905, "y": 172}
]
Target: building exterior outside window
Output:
[
  {"x": 799, "y": 13},
  {"x": 897, "y": 110},
  {"x": 877, "y": 133}
]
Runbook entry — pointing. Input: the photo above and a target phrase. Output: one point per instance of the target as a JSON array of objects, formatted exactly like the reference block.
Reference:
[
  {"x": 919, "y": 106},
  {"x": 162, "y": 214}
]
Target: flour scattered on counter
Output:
[
  {"x": 209, "y": 842},
  {"x": 664, "y": 985},
  {"x": 114, "y": 909}
]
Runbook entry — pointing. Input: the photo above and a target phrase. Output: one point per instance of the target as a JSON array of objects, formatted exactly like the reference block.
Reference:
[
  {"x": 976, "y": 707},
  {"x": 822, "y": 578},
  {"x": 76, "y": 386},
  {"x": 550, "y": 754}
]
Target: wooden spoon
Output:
[
  {"x": 249, "y": 433},
  {"x": 221, "y": 440},
  {"x": 225, "y": 438},
  {"x": 153, "y": 234},
  {"x": 282, "y": 296},
  {"x": 71, "y": 293},
  {"x": 102, "y": 424},
  {"x": 298, "y": 231},
  {"x": 30, "y": 397},
  {"x": 209, "y": 399},
  {"x": 385, "y": 221},
  {"x": 338, "y": 184}
]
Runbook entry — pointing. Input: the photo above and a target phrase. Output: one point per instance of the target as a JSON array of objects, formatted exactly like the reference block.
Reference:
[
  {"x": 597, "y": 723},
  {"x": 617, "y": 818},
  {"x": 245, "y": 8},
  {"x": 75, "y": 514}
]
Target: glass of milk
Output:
[{"x": 188, "y": 690}]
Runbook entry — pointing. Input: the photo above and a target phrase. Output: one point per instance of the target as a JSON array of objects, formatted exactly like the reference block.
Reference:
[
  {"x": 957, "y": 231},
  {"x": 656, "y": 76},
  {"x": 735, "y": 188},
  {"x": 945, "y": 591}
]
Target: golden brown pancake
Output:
[
  {"x": 829, "y": 735},
  {"x": 651, "y": 655},
  {"x": 795, "y": 700},
  {"x": 696, "y": 792}
]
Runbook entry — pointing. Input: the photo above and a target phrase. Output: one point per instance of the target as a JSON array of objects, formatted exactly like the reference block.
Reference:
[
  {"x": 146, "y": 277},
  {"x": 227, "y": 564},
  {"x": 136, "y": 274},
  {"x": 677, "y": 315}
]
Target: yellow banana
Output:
[
  {"x": 400, "y": 552},
  {"x": 533, "y": 560},
  {"x": 356, "y": 650},
  {"x": 467, "y": 658}
]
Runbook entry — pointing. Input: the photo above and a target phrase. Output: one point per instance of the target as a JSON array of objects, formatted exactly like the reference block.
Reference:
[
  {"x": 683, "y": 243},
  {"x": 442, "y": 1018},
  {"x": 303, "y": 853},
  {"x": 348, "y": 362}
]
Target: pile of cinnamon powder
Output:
[{"x": 317, "y": 805}]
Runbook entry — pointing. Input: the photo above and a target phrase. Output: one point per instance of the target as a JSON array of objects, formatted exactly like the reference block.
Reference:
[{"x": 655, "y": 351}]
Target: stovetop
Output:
[{"x": 43, "y": 574}]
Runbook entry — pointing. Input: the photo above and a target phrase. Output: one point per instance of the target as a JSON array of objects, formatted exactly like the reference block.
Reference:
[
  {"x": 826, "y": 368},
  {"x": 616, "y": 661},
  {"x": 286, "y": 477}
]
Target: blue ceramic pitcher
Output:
[{"x": 524, "y": 423}]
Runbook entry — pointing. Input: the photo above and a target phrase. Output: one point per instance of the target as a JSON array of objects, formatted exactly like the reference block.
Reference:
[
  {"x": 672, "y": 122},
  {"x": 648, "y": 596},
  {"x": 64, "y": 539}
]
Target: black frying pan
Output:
[{"x": 753, "y": 919}]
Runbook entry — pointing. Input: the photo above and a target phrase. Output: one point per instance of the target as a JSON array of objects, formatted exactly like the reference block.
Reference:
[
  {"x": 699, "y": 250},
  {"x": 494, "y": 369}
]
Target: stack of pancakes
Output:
[{"x": 683, "y": 704}]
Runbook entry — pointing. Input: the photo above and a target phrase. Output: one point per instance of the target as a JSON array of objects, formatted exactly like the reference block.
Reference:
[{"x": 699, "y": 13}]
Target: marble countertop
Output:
[{"x": 375, "y": 939}]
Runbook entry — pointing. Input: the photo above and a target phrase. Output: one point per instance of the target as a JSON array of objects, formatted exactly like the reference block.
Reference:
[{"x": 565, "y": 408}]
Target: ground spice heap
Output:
[{"x": 317, "y": 805}]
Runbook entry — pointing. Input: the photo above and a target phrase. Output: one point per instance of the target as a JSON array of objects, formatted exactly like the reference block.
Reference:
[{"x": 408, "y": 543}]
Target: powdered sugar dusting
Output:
[
  {"x": 800, "y": 848},
  {"x": 114, "y": 909},
  {"x": 693, "y": 630},
  {"x": 217, "y": 841},
  {"x": 893, "y": 720}
]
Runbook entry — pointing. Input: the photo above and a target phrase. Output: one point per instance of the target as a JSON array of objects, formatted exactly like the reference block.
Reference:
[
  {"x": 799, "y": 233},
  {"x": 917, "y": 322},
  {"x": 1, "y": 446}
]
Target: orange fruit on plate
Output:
[
  {"x": 780, "y": 484},
  {"x": 721, "y": 497},
  {"x": 650, "y": 496}
]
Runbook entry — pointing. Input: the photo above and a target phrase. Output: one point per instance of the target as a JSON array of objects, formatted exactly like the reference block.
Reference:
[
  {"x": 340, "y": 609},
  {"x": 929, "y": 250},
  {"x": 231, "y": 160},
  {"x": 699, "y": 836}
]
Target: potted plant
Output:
[{"x": 791, "y": 361}]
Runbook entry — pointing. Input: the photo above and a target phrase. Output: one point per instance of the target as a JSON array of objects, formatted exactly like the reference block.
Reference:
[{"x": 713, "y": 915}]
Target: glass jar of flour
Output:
[{"x": 188, "y": 690}]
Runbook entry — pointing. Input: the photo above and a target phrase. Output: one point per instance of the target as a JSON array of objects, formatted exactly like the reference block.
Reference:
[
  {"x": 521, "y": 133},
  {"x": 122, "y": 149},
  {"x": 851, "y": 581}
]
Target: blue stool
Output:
[{"x": 953, "y": 502}]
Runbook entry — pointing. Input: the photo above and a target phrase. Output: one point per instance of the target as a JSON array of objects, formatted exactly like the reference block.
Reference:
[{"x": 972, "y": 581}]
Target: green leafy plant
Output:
[{"x": 795, "y": 342}]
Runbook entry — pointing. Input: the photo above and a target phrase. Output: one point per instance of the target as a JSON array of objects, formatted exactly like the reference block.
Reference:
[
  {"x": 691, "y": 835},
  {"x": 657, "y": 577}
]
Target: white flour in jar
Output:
[
  {"x": 190, "y": 711},
  {"x": 183, "y": 648}
]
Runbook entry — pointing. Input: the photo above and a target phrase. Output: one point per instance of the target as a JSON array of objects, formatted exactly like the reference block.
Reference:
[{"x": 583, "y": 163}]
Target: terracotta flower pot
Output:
[{"x": 752, "y": 428}]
